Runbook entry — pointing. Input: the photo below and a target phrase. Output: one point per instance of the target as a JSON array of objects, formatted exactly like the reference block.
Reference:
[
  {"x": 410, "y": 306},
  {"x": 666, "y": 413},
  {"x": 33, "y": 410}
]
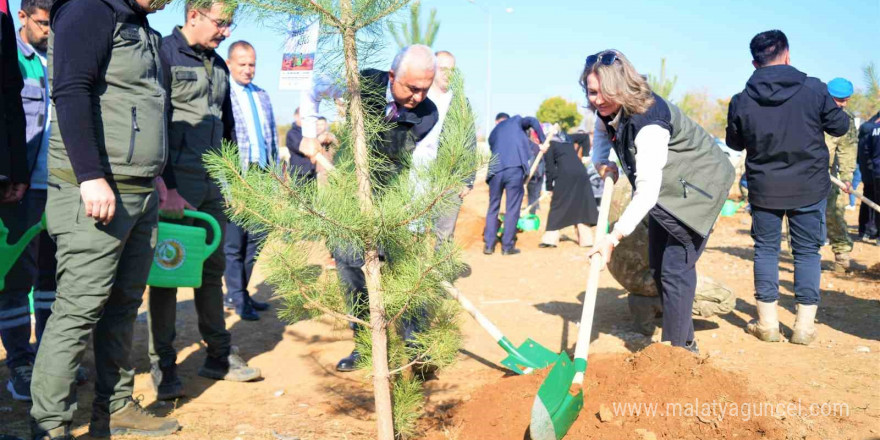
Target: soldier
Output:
[
  {"x": 843, "y": 163},
  {"x": 109, "y": 103},
  {"x": 630, "y": 267},
  {"x": 201, "y": 119}
]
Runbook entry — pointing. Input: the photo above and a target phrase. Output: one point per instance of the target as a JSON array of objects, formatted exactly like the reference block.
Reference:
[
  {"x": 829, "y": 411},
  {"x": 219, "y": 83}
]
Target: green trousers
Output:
[
  {"x": 205, "y": 196},
  {"x": 838, "y": 233},
  {"x": 102, "y": 274}
]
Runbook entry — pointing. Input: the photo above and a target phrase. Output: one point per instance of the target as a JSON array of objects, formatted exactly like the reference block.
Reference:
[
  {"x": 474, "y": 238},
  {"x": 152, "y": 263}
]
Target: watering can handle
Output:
[{"x": 215, "y": 227}]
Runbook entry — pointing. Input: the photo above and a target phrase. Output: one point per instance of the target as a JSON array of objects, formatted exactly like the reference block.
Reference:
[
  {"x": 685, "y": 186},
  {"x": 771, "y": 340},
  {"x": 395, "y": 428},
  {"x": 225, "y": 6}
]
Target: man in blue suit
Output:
[{"x": 511, "y": 157}]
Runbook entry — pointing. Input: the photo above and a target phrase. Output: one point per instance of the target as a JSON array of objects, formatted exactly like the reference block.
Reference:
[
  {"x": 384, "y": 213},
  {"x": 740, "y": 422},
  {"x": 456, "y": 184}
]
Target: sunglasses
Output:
[{"x": 607, "y": 58}]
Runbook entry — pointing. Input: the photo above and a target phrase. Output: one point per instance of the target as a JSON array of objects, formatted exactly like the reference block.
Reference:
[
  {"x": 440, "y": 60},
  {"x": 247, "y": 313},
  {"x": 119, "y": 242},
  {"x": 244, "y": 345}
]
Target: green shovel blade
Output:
[
  {"x": 555, "y": 409},
  {"x": 529, "y": 356}
]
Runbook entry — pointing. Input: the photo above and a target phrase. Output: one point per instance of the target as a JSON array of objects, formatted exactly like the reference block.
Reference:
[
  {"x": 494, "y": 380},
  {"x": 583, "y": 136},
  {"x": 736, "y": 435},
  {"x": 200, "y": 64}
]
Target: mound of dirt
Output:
[{"x": 658, "y": 393}]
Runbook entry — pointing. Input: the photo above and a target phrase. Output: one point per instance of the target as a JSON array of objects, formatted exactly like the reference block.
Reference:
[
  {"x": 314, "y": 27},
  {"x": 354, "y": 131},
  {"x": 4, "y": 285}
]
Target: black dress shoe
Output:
[
  {"x": 489, "y": 250},
  {"x": 258, "y": 305},
  {"x": 511, "y": 251},
  {"x": 246, "y": 312},
  {"x": 546, "y": 245},
  {"x": 348, "y": 363}
]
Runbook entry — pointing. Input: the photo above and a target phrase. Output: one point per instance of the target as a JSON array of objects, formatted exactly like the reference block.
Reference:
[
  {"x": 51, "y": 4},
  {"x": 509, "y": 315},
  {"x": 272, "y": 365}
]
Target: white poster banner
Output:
[{"x": 298, "y": 58}]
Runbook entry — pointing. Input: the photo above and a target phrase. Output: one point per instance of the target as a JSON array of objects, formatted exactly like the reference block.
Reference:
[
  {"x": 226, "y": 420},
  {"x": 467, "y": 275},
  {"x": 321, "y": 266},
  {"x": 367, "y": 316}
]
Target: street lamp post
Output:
[{"x": 488, "y": 62}]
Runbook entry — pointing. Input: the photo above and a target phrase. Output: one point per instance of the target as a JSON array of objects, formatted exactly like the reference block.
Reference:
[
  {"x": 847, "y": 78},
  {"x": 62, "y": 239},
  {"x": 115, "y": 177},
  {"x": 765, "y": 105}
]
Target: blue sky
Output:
[{"x": 539, "y": 48}]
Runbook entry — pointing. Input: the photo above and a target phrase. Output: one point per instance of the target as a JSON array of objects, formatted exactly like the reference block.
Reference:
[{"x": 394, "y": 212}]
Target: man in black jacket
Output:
[
  {"x": 779, "y": 119},
  {"x": 13, "y": 161},
  {"x": 401, "y": 96}
]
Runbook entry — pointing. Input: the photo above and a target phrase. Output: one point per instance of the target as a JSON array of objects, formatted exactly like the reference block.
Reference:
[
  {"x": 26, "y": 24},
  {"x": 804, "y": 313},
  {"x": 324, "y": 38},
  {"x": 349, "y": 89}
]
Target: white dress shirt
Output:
[{"x": 239, "y": 94}]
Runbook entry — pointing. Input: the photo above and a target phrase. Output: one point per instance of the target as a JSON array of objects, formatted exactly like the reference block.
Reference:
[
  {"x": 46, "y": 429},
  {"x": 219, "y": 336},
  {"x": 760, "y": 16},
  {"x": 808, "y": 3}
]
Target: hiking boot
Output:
[
  {"x": 844, "y": 264},
  {"x": 232, "y": 368},
  {"x": 59, "y": 433},
  {"x": 166, "y": 383},
  {"x": 19, "y": 383},
  {"x": 130, "y": 419},
  {"x": 766, "y": 327},
  {"x": 804, "y": 325}
]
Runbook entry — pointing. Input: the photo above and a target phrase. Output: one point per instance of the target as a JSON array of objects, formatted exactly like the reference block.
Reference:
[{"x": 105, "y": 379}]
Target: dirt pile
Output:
[{"x": 658, "y": 393}]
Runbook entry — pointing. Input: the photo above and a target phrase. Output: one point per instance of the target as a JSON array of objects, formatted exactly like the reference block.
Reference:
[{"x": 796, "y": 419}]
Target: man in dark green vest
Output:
[
  {"x": 200, "y": 120},
  {"x": 104, "y": 158}
]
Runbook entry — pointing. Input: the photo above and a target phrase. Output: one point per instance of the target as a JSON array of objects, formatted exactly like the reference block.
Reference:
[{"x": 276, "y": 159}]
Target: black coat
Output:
[
  {"x": 410, "y": 126},
  {"x": 573, "y": 200},
  {"x": 780, "y": 120},
  {"x": 13, "y": 147},
  {"x": 300, "y": 165}
]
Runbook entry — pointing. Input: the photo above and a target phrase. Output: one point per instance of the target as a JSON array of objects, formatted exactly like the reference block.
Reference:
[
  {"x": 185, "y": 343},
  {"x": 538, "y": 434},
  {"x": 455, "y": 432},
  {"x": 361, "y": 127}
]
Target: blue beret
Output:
[{"x": 840, "y": 88}]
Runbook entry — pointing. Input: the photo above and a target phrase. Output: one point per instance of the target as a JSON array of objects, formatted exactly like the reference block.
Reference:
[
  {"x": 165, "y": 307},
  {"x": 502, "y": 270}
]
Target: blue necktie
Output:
[{"x": 261, "y": 142}]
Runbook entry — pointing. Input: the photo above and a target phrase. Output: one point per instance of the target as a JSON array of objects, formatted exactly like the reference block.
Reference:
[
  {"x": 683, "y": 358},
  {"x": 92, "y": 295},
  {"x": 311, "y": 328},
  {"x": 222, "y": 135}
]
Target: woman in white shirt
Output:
[{"x": 680, "y": 180}]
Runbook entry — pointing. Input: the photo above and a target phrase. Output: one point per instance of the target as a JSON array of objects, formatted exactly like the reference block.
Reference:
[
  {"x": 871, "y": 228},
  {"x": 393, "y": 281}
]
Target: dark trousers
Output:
[
  {"x": 673, "y": 251},
  {"x": 534, "y": 192},
  {"x": 869, "y": 220},
  {"x": 349, "y": 267},
  {"x": 34, "y": 268},
  {"x": 241, "y": 247},
  {"x": 510, "y": 181},
  {"x": 807, "y": 231}
]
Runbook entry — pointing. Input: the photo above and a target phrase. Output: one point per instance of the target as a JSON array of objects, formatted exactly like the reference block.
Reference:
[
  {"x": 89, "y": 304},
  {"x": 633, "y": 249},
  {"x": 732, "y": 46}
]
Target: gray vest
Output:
[
  {"x": 697, "y": 175},
  {"x": 197, "y": 97},
  {"x": 128, "y": 103}
]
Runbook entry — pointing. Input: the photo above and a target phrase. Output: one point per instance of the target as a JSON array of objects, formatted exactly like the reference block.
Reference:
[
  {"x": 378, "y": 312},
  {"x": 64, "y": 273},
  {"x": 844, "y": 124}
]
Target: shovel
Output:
[
  {"x": 524, "y": 359},
  {"x": 859, "y": 195},
  {"x": 556, "y": 407},
  {"x": 9, "y": 253}
]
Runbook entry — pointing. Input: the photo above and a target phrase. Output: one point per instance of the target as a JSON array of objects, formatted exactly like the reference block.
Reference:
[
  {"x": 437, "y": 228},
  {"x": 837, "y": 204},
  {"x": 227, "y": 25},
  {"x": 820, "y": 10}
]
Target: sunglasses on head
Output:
[{"x": 607, "y": 58}]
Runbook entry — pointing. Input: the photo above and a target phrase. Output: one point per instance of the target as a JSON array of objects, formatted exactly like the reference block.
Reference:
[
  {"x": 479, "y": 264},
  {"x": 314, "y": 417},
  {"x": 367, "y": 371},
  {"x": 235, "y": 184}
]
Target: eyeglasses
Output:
[
  {"x": 42, "y": 24},
  {"x": 221, "y": 24},
  {"x": 607, "y": 58}
]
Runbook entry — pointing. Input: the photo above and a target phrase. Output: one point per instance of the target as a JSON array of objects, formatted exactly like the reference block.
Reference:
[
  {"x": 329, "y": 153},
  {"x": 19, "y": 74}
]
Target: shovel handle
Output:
[
  {"x": 470, "y": 308},
  {"x": 859, "y": 195},
  {"x": 550, "y": 133},
  {"x": 582, "y": 349}
]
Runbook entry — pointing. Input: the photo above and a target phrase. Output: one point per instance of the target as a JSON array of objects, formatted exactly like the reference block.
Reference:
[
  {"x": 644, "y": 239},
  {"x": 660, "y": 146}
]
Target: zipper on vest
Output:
[
  {"x": 685, "y": 185},
  {"x": 134, "y": 130}
]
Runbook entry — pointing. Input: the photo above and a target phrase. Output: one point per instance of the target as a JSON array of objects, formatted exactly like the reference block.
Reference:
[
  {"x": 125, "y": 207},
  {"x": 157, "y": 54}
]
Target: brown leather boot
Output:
[{"x": 130, "y": 419}]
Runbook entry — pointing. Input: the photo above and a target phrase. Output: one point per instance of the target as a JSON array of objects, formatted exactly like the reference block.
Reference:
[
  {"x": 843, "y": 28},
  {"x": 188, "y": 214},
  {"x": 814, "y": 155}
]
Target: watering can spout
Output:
[{"x": 9, "y": 252}]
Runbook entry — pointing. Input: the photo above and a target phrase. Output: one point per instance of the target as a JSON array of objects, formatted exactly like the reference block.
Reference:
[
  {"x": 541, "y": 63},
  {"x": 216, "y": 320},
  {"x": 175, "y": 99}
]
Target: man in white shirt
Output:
[
  {"x": 258, "y": 148},
  {"x": 426, "y": 150}
]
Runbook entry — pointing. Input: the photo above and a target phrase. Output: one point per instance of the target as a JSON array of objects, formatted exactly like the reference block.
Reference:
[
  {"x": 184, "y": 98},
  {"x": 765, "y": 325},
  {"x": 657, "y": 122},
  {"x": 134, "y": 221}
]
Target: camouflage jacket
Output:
[{"x": 843, "y": 151}]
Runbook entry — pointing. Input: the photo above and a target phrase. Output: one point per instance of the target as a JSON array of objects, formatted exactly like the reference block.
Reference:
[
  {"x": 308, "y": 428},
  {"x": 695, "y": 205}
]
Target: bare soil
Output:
[{"x": 539, "y": 294}]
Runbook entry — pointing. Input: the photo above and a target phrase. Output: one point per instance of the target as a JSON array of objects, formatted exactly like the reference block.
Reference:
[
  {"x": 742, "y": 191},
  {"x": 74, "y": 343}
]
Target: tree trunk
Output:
[{"x": 381, "y": 375}]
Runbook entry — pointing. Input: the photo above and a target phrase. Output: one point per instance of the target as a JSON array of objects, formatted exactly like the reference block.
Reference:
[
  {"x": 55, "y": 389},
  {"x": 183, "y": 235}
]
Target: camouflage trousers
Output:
[{"x": 838, "y": 233}]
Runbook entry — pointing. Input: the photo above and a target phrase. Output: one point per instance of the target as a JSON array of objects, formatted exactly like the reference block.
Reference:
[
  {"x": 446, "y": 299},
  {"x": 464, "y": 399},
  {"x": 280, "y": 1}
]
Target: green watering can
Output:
[
  {"x": 9, "y": 253},
  {"x": 181, "y": 252},
  {"x": 730, "y": 207},
  {"x": 528, "y": 222}
]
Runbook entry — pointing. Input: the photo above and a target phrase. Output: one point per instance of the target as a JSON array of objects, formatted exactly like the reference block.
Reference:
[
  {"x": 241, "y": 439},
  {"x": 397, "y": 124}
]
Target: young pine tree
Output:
[{"x": 357, "y": 212}]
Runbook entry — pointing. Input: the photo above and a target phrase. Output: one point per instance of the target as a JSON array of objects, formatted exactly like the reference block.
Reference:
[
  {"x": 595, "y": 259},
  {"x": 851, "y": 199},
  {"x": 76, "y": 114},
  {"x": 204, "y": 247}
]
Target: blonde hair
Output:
[{"x": 620, "y": 83}]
